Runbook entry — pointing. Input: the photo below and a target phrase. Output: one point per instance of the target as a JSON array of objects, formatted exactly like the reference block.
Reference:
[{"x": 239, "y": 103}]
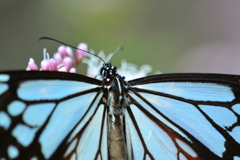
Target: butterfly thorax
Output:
[{"x": 115, "y": 101}]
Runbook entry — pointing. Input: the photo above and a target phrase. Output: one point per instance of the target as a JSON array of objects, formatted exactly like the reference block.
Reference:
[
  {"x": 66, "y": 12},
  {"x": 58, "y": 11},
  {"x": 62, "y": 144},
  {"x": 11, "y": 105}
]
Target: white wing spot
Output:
[
  {"x": 5, "y": 120},
  {"x": 4, "y": 77},
  {"x": 16, "y": 108},
  {"x": 12, "y": 152}
]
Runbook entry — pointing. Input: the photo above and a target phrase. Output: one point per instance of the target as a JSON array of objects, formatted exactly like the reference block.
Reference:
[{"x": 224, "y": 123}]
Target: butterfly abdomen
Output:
[{"x": 115, "y": 104}]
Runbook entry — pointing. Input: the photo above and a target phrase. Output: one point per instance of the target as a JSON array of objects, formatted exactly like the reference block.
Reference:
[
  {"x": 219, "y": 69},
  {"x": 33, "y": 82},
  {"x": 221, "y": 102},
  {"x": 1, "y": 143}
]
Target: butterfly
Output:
[{"x": 56, "y": 115}]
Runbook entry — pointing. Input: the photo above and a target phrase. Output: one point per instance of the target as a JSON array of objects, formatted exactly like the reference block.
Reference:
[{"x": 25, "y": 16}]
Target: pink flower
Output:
[
  {"x": 69, "y": 52},
  {"x": 80, "y": 54},
  {"x": 62, "y": 51},
  {"x": 52, "y": 65},
  {"x": 58, "y": 58},
  {"x": 32, "y": 65},
  {"x": 62, "y": 61},
  {"x": 62, "y": 69},
  {"x": 67, "y": 63},
  {"x": 73, "y": 70},
  {"x": 45, "y": 65}
]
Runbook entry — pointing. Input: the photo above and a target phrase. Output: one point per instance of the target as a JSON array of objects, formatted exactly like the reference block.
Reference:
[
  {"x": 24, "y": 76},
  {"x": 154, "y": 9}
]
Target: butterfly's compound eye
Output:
[
  {"x": 114, "y": 70},
  {"x": 108, "y": 70},
  {"x": 103, "y": 70}
]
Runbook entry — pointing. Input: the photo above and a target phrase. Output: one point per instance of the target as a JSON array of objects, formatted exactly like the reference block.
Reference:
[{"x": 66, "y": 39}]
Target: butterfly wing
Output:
[
  {"x": 191, "y": 116},
  {"x": 51, "y": 115},
  {"x": 184, "y": 116}
]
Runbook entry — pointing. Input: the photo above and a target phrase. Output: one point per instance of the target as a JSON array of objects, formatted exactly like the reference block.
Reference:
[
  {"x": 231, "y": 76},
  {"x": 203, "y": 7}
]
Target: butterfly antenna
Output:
[
  {"x": 51, "y": 39},
  {"x": 120, "y": 48}
]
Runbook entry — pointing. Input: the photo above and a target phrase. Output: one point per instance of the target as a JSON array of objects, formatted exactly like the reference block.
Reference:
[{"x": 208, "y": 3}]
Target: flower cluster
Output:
[
  {"x": 94, "y": 63},
  {"x": 64, "y": 61},
  {"x": 128, "y": 70}
]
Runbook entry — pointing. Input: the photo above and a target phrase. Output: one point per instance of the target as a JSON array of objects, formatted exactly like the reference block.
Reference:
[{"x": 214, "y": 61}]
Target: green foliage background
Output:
[{"x": 161, "y": 33}]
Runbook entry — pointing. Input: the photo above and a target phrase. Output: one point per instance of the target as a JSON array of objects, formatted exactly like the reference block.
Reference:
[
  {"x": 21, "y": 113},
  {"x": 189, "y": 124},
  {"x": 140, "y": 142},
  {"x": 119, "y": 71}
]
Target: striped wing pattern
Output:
[
  {"x": 41, "y": 116},
  {"x": 51, "y": 115},
  {"x": 183, "y": 116}
]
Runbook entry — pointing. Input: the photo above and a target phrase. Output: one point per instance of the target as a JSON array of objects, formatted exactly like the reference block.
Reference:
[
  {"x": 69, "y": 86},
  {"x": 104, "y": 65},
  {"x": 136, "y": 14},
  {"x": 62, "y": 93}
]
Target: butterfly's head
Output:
[{"x": 108, "y": 70}]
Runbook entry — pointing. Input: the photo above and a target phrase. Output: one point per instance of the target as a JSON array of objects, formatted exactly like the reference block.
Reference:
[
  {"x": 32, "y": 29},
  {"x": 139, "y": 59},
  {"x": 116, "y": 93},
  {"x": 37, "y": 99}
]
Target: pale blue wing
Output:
[
  {"x": 42, "y": 114},
  {"x": 184, "y": 117},
  {"x": 89, "y": 138},
  {"x": 152, "y": 135}
]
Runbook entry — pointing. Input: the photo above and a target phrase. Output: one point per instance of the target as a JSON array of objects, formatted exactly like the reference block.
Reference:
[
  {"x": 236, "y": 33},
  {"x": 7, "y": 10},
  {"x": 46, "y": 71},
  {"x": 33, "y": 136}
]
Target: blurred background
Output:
[{"x": 172, "y": 36}]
